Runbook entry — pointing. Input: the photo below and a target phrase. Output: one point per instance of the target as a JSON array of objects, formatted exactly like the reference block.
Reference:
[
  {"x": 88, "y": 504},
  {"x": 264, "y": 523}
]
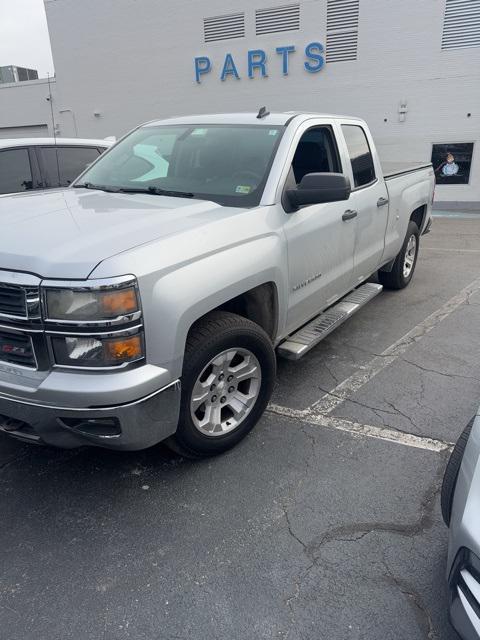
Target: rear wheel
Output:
[
  {"x": 451, "y": 473},
  {"x": 228, "y": 375},
  {"x": 405, "y": 262}
]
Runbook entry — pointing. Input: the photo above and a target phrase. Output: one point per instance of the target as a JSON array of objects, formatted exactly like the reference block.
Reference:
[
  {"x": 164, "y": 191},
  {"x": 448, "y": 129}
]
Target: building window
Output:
[
  {"x": 277, "y": 19},
  {"x": 224, "y": 27},
  {"x": 452, "y": 162},
  {"x": 461, "y": 24},
  {"x": 342, "y": 30}
]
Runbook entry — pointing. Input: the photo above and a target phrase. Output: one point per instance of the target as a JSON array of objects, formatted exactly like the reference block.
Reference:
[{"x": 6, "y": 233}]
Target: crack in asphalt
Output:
[
  {"x": 357, "y": 531},
  {"x": 377, "y": 411},
  {"x": 297, "y": 579},
  {"x": 414, "y": 598},
  {"x": 300, "y": 577},
  {"x": 440, "y": 373},
  {"x": 424, "y": 523},
  {"x": 397, "y": 411},
  {"x": 332, "y": 375}
]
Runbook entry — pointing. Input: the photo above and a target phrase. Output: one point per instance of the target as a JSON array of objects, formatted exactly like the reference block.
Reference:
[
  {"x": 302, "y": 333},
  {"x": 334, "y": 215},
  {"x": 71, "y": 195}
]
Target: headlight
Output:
[
  {"x": 93, "y": 323},
  {"x": 97, "y": 351},
  {"x": 83, "y": 305}
]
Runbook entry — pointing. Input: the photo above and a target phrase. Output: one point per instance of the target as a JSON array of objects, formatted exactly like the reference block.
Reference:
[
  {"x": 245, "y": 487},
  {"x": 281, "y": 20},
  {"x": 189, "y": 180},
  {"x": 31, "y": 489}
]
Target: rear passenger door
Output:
[
  {"x": 62, "y": 164},
  {"x": 369, "y": 198}
]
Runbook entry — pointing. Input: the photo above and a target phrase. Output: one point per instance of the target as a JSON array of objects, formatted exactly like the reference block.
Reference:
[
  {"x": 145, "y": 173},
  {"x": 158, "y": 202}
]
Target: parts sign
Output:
[{"x": 258, "y": 64}]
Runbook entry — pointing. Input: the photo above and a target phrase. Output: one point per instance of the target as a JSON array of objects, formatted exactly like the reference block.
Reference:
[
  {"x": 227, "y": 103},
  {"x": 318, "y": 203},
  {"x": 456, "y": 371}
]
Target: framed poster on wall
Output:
[{"x": 451, "y": 162}]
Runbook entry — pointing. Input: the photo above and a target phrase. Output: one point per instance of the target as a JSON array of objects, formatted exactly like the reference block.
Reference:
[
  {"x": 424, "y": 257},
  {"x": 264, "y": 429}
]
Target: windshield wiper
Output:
[
  {"x": 157, "y": 191},
  {"x": 99, "y": 187}
]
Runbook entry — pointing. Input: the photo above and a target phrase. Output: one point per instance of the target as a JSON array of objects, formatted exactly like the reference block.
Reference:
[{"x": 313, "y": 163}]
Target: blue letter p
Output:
[{"x": 202, "y": 66}]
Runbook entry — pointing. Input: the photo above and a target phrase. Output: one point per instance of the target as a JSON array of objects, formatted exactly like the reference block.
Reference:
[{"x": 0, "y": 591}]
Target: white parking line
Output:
[
  {"x": 331, "y": 400},
  {"x": 306, "y": 416},
  {"x": 317, "y": 413}
]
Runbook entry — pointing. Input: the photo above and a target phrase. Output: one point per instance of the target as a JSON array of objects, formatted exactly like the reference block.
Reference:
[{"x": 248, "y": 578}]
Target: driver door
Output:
[{"x": 320, "y": 243}]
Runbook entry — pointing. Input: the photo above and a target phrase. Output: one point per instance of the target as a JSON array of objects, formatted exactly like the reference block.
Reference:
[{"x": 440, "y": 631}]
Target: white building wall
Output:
[
  {"x": 26, "y": 105},
  {"x": 122, "y": 62}
]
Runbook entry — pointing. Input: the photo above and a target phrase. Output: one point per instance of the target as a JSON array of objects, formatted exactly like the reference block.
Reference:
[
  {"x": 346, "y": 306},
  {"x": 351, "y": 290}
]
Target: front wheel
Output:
[
  {"x": 405, "y": 262},
  {"x": 228, "y": 376}
]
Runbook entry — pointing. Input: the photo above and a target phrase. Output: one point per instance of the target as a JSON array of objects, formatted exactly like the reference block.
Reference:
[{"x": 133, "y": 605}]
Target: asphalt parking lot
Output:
[{"x": 323, "y": 524}]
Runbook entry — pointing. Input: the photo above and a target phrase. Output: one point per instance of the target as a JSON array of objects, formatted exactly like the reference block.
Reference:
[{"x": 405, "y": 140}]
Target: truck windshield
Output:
[{"x": 228, "y": 164}]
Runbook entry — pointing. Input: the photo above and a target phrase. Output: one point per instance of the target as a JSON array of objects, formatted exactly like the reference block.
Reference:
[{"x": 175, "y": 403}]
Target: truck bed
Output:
[{"x": 393, "y": 169}]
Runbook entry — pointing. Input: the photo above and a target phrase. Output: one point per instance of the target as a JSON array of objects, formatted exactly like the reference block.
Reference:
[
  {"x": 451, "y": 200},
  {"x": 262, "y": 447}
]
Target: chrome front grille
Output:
[
  {"x": 21, "y": 331},
  {"x": 13, "y": 300},
  {"x": 19, "y": 297}
]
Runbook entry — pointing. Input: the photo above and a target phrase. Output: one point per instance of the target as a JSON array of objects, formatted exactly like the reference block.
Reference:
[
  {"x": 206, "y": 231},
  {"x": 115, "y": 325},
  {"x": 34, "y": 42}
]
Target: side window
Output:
[
  {"x": 63, "y": 164},
  {"x": 15, "y": 171},
  {"x": 316, "y": 153},
  {"x": 360, "y": 154}
]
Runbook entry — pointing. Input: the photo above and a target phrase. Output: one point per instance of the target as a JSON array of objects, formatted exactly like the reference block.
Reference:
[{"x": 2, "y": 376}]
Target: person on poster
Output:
[{"x": 449, "y": 167}]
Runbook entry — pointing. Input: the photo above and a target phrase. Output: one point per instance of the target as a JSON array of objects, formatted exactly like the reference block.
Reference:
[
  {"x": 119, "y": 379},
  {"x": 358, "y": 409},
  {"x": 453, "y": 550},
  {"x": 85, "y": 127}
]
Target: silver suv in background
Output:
[
  {"x": 27, "y": 164},
  {"x": 461, "y": 513}
]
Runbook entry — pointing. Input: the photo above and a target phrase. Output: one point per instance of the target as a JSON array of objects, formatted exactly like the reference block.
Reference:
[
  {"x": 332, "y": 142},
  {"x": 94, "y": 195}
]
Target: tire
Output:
[
  {"x": 210, "y": 427},
  {"x": 397, "y": 278},
  {"x": 451, "y": 473}
]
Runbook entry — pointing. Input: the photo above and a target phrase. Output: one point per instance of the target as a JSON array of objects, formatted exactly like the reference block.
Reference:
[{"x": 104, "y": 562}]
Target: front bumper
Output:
[{"x": 136, "y": 424}]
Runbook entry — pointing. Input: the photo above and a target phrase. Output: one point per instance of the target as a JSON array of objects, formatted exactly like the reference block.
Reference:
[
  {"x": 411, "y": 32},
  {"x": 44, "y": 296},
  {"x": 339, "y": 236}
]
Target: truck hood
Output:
[{"x": 66, "y": 233}]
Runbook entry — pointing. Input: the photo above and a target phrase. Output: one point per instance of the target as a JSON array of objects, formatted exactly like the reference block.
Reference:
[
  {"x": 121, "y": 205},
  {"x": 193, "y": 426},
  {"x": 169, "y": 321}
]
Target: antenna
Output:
[
  {"x": 50, "y": 99},
  {"x": 263, "y": 113}
]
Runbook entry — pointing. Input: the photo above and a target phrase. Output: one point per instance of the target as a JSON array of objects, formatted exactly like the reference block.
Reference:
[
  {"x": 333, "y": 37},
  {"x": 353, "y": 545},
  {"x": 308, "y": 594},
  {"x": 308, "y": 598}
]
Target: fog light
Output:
[{"x": 101, "y": 427}]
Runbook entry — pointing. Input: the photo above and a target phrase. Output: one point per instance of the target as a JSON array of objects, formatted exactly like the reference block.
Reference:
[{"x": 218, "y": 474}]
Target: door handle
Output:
[
  {"x": 381, "y": 202},
  {"x": 349, "y": 214}
]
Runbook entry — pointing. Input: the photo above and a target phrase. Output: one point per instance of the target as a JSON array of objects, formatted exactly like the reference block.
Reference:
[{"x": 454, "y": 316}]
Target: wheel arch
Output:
[
  {"x": 418, "y": 216},
  {"x": 259, "y": 304}
]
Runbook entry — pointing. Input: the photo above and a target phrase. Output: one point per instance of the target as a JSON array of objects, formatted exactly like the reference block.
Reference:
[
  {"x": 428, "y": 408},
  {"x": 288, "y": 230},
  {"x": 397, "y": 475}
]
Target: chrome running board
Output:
[{"x": 300, "y": 342}]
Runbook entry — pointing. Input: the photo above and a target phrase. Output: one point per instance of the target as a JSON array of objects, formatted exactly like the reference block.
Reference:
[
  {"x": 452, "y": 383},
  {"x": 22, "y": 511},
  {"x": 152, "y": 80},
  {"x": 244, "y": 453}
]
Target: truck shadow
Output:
[{"x": 35, "y": 462}]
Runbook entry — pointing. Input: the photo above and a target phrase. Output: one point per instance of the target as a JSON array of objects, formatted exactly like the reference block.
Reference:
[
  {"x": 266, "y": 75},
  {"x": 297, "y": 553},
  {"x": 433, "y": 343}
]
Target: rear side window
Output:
[
  {"x": 63, "y": 164},
  {"x": 360, "y": 155},
  {"x": 15, "y": 171}
]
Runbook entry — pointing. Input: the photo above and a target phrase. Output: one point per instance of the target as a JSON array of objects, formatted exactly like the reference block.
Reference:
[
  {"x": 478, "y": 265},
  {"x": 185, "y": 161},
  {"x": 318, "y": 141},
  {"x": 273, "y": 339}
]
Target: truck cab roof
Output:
[{"x": 250, "y": 118}]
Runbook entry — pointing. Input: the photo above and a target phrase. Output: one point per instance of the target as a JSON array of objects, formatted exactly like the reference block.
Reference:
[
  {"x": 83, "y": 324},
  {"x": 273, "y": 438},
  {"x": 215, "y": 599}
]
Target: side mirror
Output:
[{"x": 315, "y": 188}]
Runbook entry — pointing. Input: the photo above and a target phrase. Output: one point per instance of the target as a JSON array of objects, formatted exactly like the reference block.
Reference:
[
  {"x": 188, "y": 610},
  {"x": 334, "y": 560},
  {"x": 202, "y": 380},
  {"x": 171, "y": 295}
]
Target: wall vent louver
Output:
[
  {"x": 277, "y": 19},
  {"x": 342, "y": 30},
  {"x": 461, "y": 24},
  {"x": 224, "y": 27}
]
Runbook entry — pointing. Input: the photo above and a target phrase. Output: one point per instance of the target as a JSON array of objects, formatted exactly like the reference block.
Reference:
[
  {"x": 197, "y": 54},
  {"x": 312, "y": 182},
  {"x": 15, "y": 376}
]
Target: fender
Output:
[{"x": 173, "y": 300}]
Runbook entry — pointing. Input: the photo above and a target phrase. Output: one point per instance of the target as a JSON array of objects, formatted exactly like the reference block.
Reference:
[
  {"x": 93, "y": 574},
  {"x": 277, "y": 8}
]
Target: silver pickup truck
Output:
[{"x": 147, "y": 301}]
